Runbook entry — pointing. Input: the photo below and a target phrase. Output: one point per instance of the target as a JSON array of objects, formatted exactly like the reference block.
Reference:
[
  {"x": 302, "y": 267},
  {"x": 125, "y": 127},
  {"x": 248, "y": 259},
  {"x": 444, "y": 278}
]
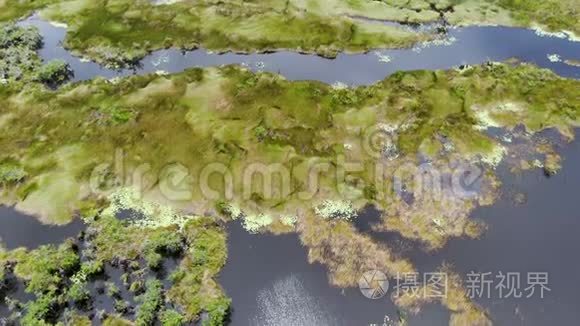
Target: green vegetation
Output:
[
  {"x": 123, "y": 31},
  {"x": 18, "y": 47},
  {"x": 120, "y": 32},
  {"x": 193, "y": 288},
  {"x": 11, "y": 173},
  {"x": 208, "y": 116},
  {"x": 556, "y": 15},
  {"x": 151, "y": 301},
  {"x": 56, "y": 277},
  {"x": 56, "y": 72},
  {"x": 19, "y": 60},
  {"x": 171, "y": 318}
]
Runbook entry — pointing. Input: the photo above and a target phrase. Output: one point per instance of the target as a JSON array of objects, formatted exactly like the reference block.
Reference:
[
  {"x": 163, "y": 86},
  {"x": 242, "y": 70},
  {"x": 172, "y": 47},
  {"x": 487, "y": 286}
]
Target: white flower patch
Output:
[
  {"x": 436, "y": 42},
  {"x": 58, "y": 24},
  {"x": 165, "y": 2},
  {"x": 569, "y": 35},
  {"x": 448, "y": 146},
  {"x": 145, "y": 214},
  {"x": 554, "y": 58},
  {"x": 160, "y": 60},
  {"x": 485, "y": 120},
  {"x": 161, "y": 73},
  {"x": 507, "y": 138},
  {"x": 234, "y": 211},
  {"x": 383, "y": 57},
  {"x": 495, "y": 157},
  {"x": 509, "y": 106},
  {"x": 289, "y": 220},
  {"x": 336, "y": 209},
  {"x": 388, "y": 127},
  {"x": 254, "y": 223},
  {"x": 339, "y": 85}
]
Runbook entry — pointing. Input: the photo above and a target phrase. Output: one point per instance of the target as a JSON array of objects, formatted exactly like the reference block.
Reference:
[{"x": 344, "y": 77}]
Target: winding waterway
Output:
[
  {"x": 472, "y": 45},
  {"x": 268, "y": 277}
]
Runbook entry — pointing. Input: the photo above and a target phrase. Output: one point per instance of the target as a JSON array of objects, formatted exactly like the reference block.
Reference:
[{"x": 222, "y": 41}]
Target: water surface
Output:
[
  {"x": 20, "y": 230},
  {"x": 472, "y": 45}
]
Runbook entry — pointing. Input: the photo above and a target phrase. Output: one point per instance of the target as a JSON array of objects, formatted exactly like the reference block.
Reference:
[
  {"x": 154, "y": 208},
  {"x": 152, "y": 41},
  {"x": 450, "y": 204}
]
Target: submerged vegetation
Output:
[{"x": 64, "y": 280}]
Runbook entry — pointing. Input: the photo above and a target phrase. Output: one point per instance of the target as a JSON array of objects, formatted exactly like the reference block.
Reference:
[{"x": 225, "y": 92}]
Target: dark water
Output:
[
  {"x": 269, "y": 278},
  {"x": 19, "y": 230},
  {"x": 271, "y": 282},
  {"x": 540, "y": 235},
  {"x": 473, "y": 45}
]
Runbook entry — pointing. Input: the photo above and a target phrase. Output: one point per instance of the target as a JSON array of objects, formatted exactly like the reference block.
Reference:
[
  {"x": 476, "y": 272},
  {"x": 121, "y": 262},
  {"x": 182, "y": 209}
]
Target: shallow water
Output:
[{"x": 473, "y": 45}]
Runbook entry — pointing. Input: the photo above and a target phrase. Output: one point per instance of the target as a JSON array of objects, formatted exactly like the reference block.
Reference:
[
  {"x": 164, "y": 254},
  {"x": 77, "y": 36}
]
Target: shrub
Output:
[
  {"x": 11, "y": 173},
  {"x": 151, "y": 302},
  {"x": 78, "y": 293},
  {"x": 172, "y": 318},
  {"x": 54, "y": 72}
]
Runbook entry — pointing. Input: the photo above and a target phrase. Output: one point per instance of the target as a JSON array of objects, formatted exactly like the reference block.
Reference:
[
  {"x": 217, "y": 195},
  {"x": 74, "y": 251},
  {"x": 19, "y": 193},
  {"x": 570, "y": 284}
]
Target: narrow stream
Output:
[{"x": 472, "y": 45}]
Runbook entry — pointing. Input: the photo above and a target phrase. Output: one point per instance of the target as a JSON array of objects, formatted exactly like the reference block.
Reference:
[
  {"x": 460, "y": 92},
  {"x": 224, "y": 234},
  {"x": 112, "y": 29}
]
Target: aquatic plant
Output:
[
  {"x": 336, "y": 209},
  {"x": 18, "y": 57},
  {"x": 146, "y": 214},
  {"x": 11, "y": 173},
  {"x": 151, "y": 301},
  {"x": 170, "y": 317},
  {"x": 554, "y": 58},
  {"x": 257, "y": 222}
]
